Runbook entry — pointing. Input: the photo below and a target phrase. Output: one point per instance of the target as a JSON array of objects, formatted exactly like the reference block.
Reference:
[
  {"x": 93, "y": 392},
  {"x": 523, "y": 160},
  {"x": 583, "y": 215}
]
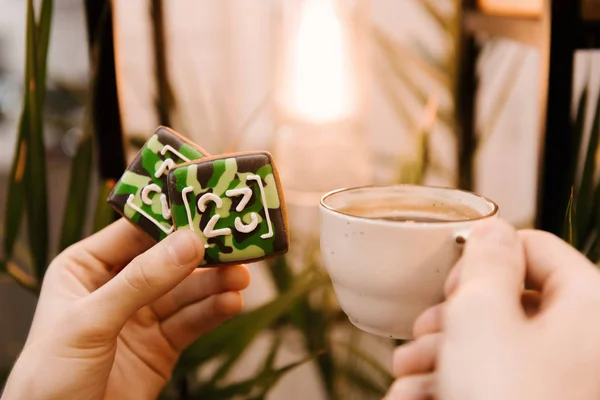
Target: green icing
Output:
[
  {"x": 133, "y": 183},
  {"x": 247, "y": 253},
  {"x": 189, "y": 152},
  {"x": 180, "y": 216},
  {"x": 228, "y": 176},
  {"x": 237, "y": 246},
  {"x": 153, "y": 145},
  {"x": 271, "y": 192},
  {"x": 218, "y": 170},
  {"x": 190, "y": 173},
  {"x": 134, "y": 180}
]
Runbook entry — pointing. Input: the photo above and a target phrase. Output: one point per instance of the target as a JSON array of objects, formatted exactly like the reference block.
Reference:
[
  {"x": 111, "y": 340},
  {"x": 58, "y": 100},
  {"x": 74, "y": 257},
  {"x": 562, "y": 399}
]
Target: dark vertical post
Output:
[
  {"x": 106, "y": 114},
  {"x": 465, "y": 102},
  {"x": 554, "y": 193},
  {"x": 165, "y": 101}
]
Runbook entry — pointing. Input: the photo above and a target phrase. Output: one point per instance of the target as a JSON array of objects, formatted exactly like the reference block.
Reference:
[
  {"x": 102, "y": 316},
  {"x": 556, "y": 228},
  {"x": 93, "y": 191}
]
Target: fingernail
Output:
[
  {"x": 495, "y": 231},
  {"x": 182, "y": 247}
]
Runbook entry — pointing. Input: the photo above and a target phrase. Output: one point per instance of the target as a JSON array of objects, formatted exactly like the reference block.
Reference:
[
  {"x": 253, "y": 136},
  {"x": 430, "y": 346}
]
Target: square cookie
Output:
[
  {"x": 141, "y": 194},
  {"x": 235, "y": 203}
]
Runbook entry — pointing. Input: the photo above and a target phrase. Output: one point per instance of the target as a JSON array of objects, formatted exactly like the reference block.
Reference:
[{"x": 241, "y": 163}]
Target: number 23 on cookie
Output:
[{"x": 209, "y": 230}]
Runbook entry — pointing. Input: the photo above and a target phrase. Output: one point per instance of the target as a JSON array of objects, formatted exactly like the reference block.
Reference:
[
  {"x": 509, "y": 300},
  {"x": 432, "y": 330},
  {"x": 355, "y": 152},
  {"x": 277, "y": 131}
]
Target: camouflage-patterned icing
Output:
[
  {"x": 234, "y": 203},
  {"x": 141, "y": 194}
]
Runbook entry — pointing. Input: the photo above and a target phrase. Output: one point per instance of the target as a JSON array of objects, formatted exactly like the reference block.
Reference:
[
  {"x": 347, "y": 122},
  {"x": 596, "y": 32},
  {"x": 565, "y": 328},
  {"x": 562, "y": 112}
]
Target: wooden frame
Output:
[{"x": 557, "y": 40}]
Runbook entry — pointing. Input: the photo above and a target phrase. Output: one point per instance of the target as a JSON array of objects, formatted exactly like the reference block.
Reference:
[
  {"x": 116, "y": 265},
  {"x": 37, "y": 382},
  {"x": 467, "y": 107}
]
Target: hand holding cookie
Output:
[
  {"x": 118, "y": 308},
  {"x": 97, "y": 334}
]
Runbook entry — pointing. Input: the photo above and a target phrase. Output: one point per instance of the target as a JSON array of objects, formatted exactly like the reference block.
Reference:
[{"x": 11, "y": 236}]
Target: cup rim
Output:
[{"x": 494, "y": 212}]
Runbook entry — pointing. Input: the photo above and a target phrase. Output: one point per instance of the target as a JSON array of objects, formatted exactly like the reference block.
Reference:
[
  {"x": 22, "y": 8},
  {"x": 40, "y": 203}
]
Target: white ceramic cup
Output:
[{"x": 385, "y": 273}]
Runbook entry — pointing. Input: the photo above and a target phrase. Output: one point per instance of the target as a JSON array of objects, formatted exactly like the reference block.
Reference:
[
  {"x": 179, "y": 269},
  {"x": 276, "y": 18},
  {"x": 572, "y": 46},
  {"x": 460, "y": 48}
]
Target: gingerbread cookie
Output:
[
  {"x": 141, "y": 194},
  {"x": 234, "y": 202}
]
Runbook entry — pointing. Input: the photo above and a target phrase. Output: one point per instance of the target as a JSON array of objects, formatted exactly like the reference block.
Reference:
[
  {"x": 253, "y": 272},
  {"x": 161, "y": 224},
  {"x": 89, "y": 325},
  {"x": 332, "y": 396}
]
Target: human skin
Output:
[
  {"x": 99, "y": 334},
  {"x": 492, "y": 340}
]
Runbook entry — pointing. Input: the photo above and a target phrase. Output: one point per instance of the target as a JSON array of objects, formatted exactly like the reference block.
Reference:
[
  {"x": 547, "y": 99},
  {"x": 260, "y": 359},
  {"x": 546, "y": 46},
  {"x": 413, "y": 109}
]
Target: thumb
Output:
[
  {"x": 148, "y": 277},
  {"x": 492, "y": 276}
]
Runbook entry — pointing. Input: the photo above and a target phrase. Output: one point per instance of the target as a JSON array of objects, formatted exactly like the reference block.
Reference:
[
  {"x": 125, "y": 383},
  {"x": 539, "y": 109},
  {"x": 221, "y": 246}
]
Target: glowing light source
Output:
[{"x": 319, "y": 83}]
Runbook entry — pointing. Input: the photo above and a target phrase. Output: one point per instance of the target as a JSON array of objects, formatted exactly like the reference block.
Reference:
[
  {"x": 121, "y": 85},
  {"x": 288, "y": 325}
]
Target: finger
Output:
[
  {"x": 553, "y": 264},
  {"x": 429, "y": 322},
  {"x": 415, "y": 387},
  {"x": 148, "y": 277},
  {"x": 417, "y": 357},
  {"x": 492, "y": 275},
  {"x": 201, "y": 284},
  {"x": 187, "y": 325},
  {"x": 452, "y": 281},
  {"x": 117, "y": 244},
  {"x": 494, "y": 258}
]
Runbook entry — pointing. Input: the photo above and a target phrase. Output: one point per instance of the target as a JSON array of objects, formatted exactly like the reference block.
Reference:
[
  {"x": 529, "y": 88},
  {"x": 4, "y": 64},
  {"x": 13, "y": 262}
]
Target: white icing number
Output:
[
  {"x": 166, "y": 211},
  {"x": 263, "y": 197},
  {"x": 131, "y": 204},
  {"x": 166, "y": 165},
  {"x": 166, "y": 148},
  {"x": 209, "y": 230},
  {"x": 247, "y": 193},
  {"x": 239, "y": 225}
]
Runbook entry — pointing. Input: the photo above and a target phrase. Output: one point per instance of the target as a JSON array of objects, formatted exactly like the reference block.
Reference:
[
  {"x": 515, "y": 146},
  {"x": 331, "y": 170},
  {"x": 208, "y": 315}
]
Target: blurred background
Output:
[{"x": 343, "y": 93}]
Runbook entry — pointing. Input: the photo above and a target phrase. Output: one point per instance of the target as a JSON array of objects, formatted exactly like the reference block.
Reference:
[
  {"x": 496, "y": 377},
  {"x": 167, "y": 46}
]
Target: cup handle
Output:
[{"x": 461, "y": 237}]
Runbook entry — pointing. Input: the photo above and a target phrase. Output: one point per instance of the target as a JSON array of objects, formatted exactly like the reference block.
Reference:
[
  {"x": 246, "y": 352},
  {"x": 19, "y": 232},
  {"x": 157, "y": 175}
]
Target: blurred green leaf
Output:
[
  {"x": 360, "y": 370},
  {"x": 23, "y": 278},
  {"x": 570, "y": 232},
  {"x": 358, "y": 380},
  {"x": 270, "y": 360},
  {"x": 594, "y": 223},
  {"x": 16, "y": 191},
  {"x": 397, "y": 102},
  {"x": 281, "y": 273},
  {"x": 35, "y": 170},
  {"x": 368, "y": 360},
  {"x": 399, "y": 59},
  {"x": 232, "y": 338},
  {"x": 77, "y": 196},
  {"x": 430, "y": 63},
  {"x": 586, "y": 186},
  {"x": 316, "y": 327},
  {"x": 436, "y": 15},
  {"x": 309, "y": 320},
  {"x": 104, "y": 215},
  {"x": 254, "y": 388},
  {"x": 397, "y": 51},
  {"x": 44, "y": 25},
  {"x": 577, "y": 136}
]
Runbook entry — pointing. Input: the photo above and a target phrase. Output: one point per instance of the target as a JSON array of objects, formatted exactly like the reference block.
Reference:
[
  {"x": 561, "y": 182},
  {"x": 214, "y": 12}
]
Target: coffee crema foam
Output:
[{"x": 405, "y": 212}]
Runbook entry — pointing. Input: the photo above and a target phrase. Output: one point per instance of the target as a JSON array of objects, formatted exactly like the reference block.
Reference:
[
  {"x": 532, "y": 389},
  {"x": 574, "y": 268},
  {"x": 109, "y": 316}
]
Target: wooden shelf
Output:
[
  {"x": 524, "y": 30},
  {"x": 589, "y": 35}
]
